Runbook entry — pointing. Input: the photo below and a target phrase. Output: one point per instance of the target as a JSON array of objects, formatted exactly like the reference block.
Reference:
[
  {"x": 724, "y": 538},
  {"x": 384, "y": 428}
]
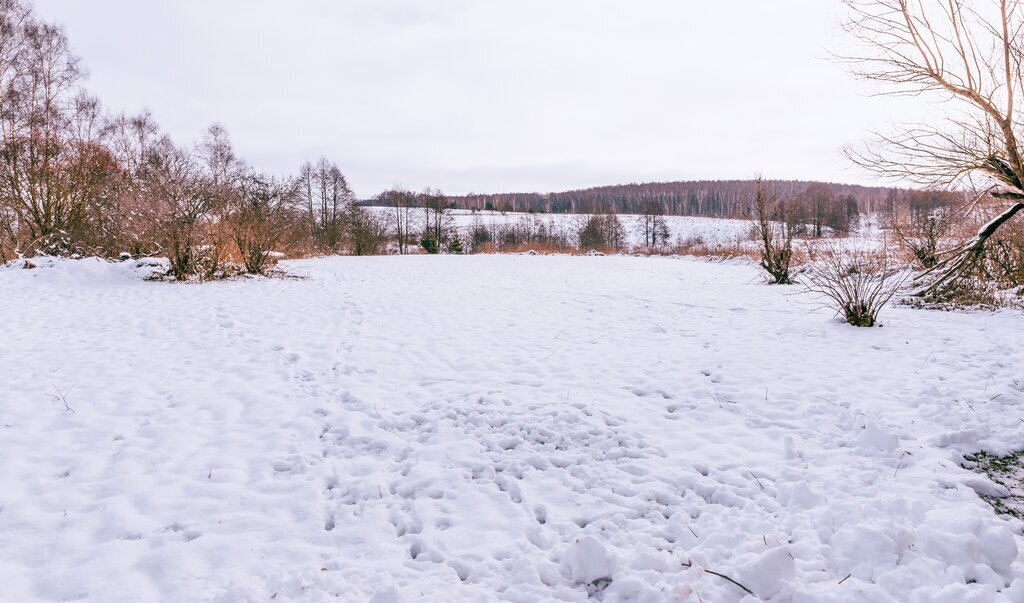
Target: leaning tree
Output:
[{"x": 968, "y": 53}]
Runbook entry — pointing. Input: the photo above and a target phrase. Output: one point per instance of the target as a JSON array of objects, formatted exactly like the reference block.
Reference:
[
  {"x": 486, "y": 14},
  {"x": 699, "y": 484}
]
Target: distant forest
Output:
[{"x": 836, "y": 206}]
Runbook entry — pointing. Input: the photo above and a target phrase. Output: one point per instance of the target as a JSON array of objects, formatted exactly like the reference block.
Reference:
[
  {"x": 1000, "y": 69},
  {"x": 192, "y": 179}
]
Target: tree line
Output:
[
  {"x": 77, "y": 179},
  {"x": 822, "y": 205}
]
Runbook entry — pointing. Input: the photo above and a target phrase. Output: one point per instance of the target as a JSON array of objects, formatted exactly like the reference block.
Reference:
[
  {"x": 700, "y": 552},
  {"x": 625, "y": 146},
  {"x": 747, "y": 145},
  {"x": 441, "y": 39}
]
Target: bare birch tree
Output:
[
  {"x": 54, "y": 169},
  {"x": 968, "y": 53},
  {"x": 326, "y": 198}
]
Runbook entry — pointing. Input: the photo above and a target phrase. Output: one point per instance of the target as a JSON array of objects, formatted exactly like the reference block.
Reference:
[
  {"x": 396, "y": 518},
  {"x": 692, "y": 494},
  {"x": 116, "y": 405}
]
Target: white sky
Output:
[{"x": 492, "y": 95}]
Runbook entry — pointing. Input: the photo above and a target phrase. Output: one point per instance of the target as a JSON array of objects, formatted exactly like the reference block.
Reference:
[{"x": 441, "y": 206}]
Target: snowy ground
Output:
[
  {"x": 683, "y": 230},
  {"x": 495, "y": 428}
]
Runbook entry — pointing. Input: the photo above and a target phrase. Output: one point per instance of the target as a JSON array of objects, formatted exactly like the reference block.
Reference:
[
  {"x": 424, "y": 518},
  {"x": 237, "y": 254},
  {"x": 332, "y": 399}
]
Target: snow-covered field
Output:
[
  {"x": 682, "y": 229},
  {"x": 495, "y": 428}
]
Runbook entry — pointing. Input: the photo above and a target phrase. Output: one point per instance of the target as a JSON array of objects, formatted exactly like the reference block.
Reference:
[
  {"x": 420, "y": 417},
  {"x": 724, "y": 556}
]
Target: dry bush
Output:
[
  {"x": 660, "y": 250},
  {"x": 177, "y": 205},
  {"x": 773, "y": 227},
  {"x": 1005, "y": 256},
  {"x": 368, "y": 231},
  {"x": 990, "y": 277},
  {"x": 261, "y": 220},
  {"x": 539, "y": 247},
  {"x": 485, "y": 248},
  {"x": 856, "y": 282},
  {"x": 723, "y": 251},
  {"x": 922, "y": 234}
]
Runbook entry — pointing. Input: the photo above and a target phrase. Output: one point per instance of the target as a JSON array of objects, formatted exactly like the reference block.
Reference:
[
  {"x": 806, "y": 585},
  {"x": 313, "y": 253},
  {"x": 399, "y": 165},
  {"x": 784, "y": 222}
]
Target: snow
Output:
[
  {"x": 683, "y": 229},
  {"x": 495, "y": 428}
]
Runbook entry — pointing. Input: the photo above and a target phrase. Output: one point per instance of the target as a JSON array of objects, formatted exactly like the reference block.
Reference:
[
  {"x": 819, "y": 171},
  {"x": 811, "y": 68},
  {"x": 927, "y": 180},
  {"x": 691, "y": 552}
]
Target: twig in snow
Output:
[
  {"x": 846, "y": 578},
  {"x": 723, "y": 577},
  {"x": 755, "y": 479},
  {"x": 899, "y": 465},
  {"x": 63, "y": 399},
  {"x": 717, "y": 397}
]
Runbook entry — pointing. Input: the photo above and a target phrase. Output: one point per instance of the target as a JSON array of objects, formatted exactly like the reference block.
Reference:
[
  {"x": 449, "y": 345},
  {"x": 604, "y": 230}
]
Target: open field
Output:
[{"x": 495, "y": 428}]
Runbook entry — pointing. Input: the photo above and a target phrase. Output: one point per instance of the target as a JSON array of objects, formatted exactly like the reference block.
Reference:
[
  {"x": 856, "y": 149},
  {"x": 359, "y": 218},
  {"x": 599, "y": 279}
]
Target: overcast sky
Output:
[{"x": 491, "y": 95}]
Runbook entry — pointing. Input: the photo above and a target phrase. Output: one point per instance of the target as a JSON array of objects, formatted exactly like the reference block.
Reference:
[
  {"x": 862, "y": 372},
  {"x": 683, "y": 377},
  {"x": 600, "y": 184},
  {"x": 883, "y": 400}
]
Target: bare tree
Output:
[
  {"x": 922, "y": 234},
  {"x": 217, "y": 155},
  {"x": 55, "y": 173},
  {"x": 133, "y": 140},
  {"x": 261, "y": 219},
  {"x": 817, "y": 203},
  {"x": 969, "y": 53},
  {"x": 401, "y": 203},
  {"x": 437, "y": 220},
  {"x": 224, "y": 173},
  {"x": 326, "y": 198},
  {"x": 179, "y": 203},
  {"x": 774, "y": 229},
  {"x": 651, "y": 224}
]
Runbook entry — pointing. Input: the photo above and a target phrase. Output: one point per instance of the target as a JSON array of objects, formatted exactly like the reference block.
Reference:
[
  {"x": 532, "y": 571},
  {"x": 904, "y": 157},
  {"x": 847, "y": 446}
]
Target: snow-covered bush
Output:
[{"x": 857, "y": 283}]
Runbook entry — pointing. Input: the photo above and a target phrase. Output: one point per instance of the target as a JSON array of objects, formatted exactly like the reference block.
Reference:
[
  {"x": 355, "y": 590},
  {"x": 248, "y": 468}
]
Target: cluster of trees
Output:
[
  {"x": 420, "y": 221},
  {"x": 822, "y": 205},
  {"x": 968, "y": 53},
  {"x": 526, "y": 233},
  {"x": 605, "y": 232},
  {"x": 77, "y": 180}
]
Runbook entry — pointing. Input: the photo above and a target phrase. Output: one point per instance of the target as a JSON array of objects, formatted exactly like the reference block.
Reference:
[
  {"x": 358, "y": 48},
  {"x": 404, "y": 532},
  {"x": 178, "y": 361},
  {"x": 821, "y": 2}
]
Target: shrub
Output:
[
  {"x": 455, "y": 244},
  {"x": 856, "y": 283},
  {"x": 922, "y": 233},
  {"x": 368, "y": 231},
  {"x": 261, "y": 219},
  {"x": 773, "y": 228},
  {"x": 429, "y": 244}
]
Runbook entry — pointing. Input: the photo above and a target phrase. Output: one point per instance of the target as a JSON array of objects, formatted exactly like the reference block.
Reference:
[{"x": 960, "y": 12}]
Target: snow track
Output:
[{"x": 495, "y": 429}]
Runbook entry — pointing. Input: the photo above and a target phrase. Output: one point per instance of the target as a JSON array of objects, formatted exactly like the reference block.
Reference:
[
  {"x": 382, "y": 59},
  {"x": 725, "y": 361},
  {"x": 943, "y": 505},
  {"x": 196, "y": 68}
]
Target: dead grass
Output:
[{"x": 541, "y": 248}]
